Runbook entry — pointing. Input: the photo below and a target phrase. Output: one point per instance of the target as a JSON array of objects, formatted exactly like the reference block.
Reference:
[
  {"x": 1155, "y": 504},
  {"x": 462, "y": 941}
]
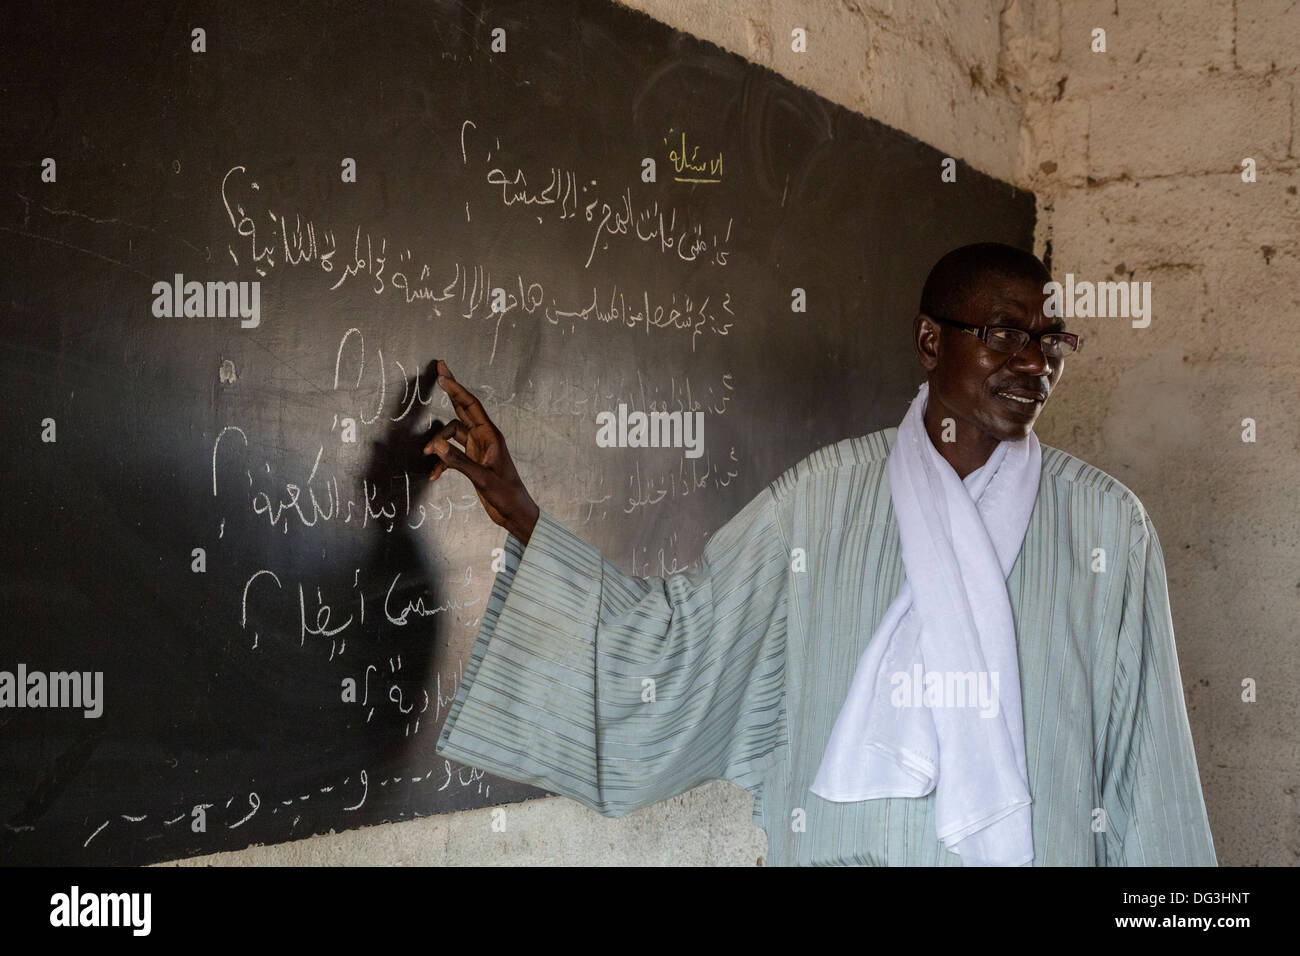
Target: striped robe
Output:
[{"x": 620, "y": 691}]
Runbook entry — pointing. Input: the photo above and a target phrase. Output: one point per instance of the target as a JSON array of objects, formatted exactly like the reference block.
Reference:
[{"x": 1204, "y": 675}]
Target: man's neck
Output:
[{"x": 969, "y": 448}]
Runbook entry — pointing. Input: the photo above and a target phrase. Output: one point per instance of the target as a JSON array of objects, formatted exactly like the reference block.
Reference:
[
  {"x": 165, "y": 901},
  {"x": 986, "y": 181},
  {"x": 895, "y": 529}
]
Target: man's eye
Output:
[{"x": 1003, "y": 335}]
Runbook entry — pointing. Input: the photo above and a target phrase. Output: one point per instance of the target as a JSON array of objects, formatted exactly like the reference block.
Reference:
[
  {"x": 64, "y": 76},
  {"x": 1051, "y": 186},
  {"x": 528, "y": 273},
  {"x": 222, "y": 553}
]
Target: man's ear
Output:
[{"x": 925, "y": 337}]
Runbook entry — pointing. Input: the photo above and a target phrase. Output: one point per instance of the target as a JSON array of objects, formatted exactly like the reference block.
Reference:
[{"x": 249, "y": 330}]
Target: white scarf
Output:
[{"x": 952, "y": 617}]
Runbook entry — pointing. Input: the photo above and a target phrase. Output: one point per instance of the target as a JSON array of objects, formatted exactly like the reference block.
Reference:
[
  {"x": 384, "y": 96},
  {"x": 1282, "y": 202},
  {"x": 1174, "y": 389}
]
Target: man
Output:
[{"x": 775, "y": 661}]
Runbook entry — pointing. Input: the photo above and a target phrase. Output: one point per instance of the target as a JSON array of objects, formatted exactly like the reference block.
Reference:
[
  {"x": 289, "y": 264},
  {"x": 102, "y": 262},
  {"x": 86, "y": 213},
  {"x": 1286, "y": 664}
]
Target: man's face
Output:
[{"x": 969, "y": 379}]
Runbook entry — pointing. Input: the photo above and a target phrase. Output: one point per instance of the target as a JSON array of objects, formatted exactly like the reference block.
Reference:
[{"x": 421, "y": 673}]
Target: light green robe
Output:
[{"x": 621, "y": 691}]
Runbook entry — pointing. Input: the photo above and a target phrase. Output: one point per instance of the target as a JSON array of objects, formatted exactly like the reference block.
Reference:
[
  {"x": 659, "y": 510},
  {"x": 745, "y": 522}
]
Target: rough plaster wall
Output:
[{"x": 1134, "y": 154}]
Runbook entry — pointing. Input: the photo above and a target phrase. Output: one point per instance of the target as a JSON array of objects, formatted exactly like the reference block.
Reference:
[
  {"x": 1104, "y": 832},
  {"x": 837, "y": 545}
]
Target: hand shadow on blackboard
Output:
[{"x": 397, "y": 474}]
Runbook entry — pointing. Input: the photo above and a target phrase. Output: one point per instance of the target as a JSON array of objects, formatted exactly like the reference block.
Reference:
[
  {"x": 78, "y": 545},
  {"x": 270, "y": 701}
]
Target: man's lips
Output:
[
  {"x": 1033, "y": 394},
  {"x": 1025, "y": 401}
]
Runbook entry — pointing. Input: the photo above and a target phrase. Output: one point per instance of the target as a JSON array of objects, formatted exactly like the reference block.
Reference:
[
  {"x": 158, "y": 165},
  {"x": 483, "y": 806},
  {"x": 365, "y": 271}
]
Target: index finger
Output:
[{"x": 468, "y": 408}]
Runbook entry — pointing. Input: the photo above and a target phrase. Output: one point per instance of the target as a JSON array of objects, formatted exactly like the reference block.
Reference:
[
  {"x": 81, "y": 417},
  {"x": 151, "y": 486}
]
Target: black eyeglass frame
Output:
[{"x": 980, "y": 332}]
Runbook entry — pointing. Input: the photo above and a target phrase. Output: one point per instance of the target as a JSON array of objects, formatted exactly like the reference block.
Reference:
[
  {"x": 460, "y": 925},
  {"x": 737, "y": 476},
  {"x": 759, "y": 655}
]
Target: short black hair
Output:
[{"x": 957, "y": 275}]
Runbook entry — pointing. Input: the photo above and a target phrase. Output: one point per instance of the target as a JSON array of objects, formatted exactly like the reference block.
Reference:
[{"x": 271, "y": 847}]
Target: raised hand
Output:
[{"x": 485, "y": 461}]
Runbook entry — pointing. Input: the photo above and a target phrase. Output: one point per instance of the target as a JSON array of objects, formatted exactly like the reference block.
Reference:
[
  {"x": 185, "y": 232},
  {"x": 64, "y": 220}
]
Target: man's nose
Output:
[{"x": 1033, "y": 357}]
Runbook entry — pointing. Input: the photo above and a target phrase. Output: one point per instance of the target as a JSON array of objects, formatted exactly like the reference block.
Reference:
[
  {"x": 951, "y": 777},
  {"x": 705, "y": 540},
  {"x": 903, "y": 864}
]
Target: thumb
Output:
[{"x": 456, "y": 459}]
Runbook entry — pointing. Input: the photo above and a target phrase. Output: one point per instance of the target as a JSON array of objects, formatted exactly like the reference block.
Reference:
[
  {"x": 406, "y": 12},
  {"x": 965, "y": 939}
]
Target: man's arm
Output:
[
  {"x": 621, "y": 691},
  {"x": 1151, "y": 791}
]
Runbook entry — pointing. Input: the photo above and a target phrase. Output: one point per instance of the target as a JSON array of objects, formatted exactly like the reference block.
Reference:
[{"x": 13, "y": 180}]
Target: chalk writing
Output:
[
  {"x": 705, "y": 170},
  {"x": 316, "y": 499},
  {"x": 326, "y": 620},
  {"x": 467, "y": 289},
  {"x": 621, "y": 216}
]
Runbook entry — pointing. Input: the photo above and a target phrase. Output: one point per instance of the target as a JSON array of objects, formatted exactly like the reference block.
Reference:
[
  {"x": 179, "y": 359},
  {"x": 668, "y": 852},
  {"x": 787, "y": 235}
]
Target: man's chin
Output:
[{"x": 1014, "y": 431}]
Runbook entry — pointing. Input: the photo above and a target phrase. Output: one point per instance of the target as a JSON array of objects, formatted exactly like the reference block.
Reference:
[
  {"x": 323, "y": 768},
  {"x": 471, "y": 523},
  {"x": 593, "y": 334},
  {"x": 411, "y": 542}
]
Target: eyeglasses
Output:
[{"x": 1004, "y": 338}]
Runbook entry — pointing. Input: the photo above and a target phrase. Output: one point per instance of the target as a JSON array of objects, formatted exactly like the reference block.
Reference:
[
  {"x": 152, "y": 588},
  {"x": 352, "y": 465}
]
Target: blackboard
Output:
[{"x": 223, "y": 513}]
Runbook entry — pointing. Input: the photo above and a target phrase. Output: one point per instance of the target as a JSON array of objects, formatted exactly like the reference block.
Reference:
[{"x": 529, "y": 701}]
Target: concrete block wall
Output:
[{"x": 1135, "y": 154}]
